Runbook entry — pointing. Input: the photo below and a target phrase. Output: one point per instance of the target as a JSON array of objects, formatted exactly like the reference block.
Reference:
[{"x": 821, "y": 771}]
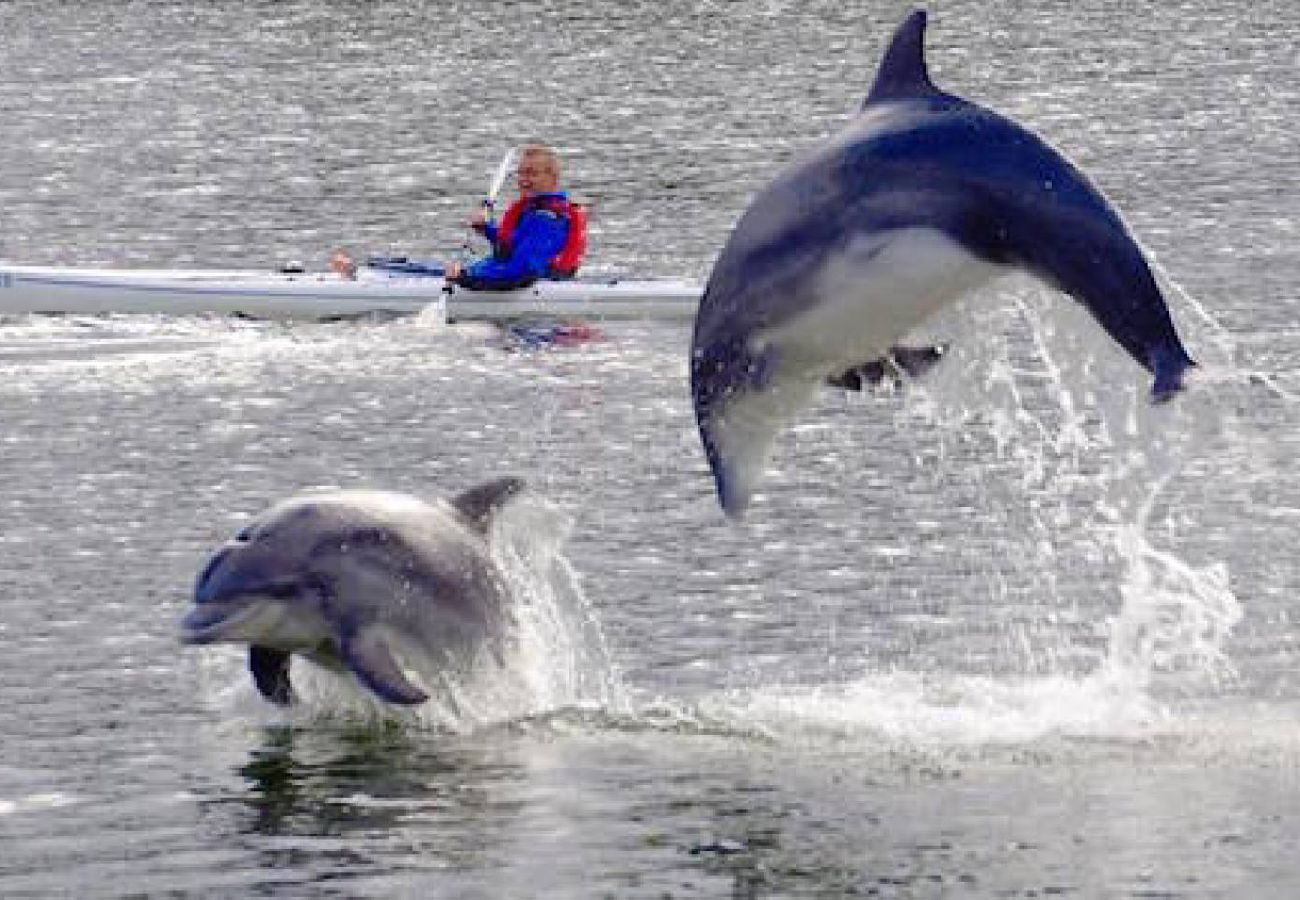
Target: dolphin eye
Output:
[{"x": 245, "y": 534}]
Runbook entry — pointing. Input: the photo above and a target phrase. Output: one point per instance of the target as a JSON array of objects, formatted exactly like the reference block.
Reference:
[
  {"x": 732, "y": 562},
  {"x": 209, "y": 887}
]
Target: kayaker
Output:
[{"x": 542, "y": 234}]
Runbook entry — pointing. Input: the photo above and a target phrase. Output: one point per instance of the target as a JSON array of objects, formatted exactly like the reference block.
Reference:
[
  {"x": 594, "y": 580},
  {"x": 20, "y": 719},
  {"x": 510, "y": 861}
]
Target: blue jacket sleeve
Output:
[{"x": 538, "y": 238}]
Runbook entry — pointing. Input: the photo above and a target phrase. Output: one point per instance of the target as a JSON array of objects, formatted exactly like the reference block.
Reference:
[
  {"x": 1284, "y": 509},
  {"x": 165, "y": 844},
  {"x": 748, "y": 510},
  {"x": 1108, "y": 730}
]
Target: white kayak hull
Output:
[{"x": 275, "y": 295}]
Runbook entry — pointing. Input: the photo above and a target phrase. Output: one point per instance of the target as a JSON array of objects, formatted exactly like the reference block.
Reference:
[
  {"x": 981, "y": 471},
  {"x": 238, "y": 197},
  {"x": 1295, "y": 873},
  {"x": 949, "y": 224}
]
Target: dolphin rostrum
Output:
[
  {"x": 369, "y": 582},
  {"x": 921, "y": 198}
]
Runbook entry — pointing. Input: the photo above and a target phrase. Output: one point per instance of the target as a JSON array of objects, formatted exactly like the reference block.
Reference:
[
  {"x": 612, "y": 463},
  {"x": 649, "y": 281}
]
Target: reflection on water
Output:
[{"x": 367, "y": 778}]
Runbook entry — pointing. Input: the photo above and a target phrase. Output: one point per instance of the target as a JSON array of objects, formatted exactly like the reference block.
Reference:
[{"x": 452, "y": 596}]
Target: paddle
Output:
[
  {"x": 498, "y": 182},
  {"x": 494, "y": 190},
  {"x": 405, "y": 266}
]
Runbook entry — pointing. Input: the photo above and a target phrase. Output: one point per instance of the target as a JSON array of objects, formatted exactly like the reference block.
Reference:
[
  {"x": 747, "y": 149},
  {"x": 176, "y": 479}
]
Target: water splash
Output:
[
  {"x": 1174, "y": 616},
  {"x": 1045, "y": 427},
  {"x": 556, "y": 657},
  {"x": 908, "y": 708},
  {"x": 561, "y": 657},
  {"x": 1087, "y": 441}
]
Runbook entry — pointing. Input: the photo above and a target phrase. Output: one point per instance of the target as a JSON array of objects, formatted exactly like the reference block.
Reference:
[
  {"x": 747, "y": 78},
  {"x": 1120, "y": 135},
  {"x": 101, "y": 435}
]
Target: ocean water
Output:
[{"x": 1009, "y": 631}]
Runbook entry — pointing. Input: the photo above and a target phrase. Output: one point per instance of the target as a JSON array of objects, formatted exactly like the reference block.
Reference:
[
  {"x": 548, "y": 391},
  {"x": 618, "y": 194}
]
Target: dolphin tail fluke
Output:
[
  {"x": 1108, "y": 273},
  {"x": 482, "y": 502},
  {"x": 270, "y": 668},
  {"x": 371, "y": 660}
]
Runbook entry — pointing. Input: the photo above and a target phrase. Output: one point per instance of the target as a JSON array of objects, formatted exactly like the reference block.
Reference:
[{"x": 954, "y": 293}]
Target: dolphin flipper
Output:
[
  {"x": 910, "y": 361},
  {"x": 480, "y": 503},
  {"x": 270, "y": 668},
  {"x": 369, "y": 657}
]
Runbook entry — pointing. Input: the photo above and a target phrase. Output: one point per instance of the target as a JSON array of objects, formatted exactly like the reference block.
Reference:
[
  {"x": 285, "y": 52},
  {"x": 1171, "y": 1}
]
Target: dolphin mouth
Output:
[{"x": 216, "y": 621}]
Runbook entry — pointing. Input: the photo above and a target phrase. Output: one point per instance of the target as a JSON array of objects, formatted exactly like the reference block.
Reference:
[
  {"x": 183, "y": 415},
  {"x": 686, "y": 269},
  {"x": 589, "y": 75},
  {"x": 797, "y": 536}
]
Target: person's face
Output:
[{"x": 536, "y": 176}]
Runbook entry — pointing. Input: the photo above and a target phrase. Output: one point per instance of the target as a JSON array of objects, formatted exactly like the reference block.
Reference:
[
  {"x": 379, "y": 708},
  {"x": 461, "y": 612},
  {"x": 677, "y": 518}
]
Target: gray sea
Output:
[{"x": 1008, "y": 631}]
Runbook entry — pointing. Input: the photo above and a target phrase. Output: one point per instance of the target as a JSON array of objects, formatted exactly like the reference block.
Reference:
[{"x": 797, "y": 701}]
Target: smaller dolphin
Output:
[
  {"x": 363, "y": 582},
  {"x": 922, "y": 197}
]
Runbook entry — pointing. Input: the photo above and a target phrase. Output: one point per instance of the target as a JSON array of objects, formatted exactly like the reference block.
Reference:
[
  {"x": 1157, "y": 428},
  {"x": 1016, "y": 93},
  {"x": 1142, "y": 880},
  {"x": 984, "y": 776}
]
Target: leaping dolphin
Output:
[
  {"x": 369, "y": 582},
  {"x": 922, "y": 197}
]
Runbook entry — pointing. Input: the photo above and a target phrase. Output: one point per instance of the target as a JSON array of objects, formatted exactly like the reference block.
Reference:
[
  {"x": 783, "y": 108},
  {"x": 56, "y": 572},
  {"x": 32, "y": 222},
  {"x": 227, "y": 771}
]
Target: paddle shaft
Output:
[{"x": 494, "y": 190}]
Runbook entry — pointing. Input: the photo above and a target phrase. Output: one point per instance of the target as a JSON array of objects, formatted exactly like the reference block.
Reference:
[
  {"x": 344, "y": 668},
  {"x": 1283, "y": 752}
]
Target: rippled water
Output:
[{"x": 1009, "y": 632}]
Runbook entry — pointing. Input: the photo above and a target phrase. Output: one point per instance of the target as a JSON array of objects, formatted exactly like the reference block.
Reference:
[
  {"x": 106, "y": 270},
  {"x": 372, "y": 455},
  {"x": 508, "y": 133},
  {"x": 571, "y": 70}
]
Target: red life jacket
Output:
[{"x": 565, "y": 263}]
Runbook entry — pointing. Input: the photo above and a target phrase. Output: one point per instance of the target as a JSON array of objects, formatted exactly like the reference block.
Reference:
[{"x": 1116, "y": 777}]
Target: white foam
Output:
[
  {"x": 1174, "y": 616},
  {"x": 37, "y": 802},
  {"x": 561, "y": 654},
  {"x": 935, "y": 711}
]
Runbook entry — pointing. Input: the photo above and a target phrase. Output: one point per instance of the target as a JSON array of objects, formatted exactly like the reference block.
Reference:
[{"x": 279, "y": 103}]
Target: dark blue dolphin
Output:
[{"x": 922, "y": 197}]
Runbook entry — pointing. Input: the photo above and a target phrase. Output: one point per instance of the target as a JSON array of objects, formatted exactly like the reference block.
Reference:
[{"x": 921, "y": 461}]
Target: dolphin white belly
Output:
[
  {"x": 863, "y": 300},
  {"x": 868, "y": 297}
]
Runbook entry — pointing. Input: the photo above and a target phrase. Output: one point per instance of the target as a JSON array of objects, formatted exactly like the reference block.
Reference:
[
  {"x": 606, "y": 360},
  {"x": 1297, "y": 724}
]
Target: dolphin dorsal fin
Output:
[
  {"x": 481, "y": 502},
  {"x": 902, "y": 74}
]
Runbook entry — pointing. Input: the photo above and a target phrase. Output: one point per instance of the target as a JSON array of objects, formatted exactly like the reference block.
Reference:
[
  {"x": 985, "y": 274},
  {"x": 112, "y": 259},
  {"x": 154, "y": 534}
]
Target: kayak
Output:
[{"x": 386, "y": 289}]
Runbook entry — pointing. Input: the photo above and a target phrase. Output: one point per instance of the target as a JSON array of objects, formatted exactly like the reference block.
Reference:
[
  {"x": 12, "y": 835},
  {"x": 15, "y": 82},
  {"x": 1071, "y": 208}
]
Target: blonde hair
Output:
[{"x": 544, "y": 153}]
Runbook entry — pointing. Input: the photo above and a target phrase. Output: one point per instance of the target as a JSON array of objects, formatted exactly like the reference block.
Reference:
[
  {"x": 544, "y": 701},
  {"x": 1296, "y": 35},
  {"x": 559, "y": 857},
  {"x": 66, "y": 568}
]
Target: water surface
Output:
[{"x": 1007, "y": 632}]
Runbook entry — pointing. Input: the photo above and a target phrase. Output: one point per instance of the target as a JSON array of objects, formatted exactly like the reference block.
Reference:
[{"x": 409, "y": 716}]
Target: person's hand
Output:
[
  {"x": 454, "y": 270},
  {"x": 342, "y": 265},
  {"x": 478, "y": 221}
]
